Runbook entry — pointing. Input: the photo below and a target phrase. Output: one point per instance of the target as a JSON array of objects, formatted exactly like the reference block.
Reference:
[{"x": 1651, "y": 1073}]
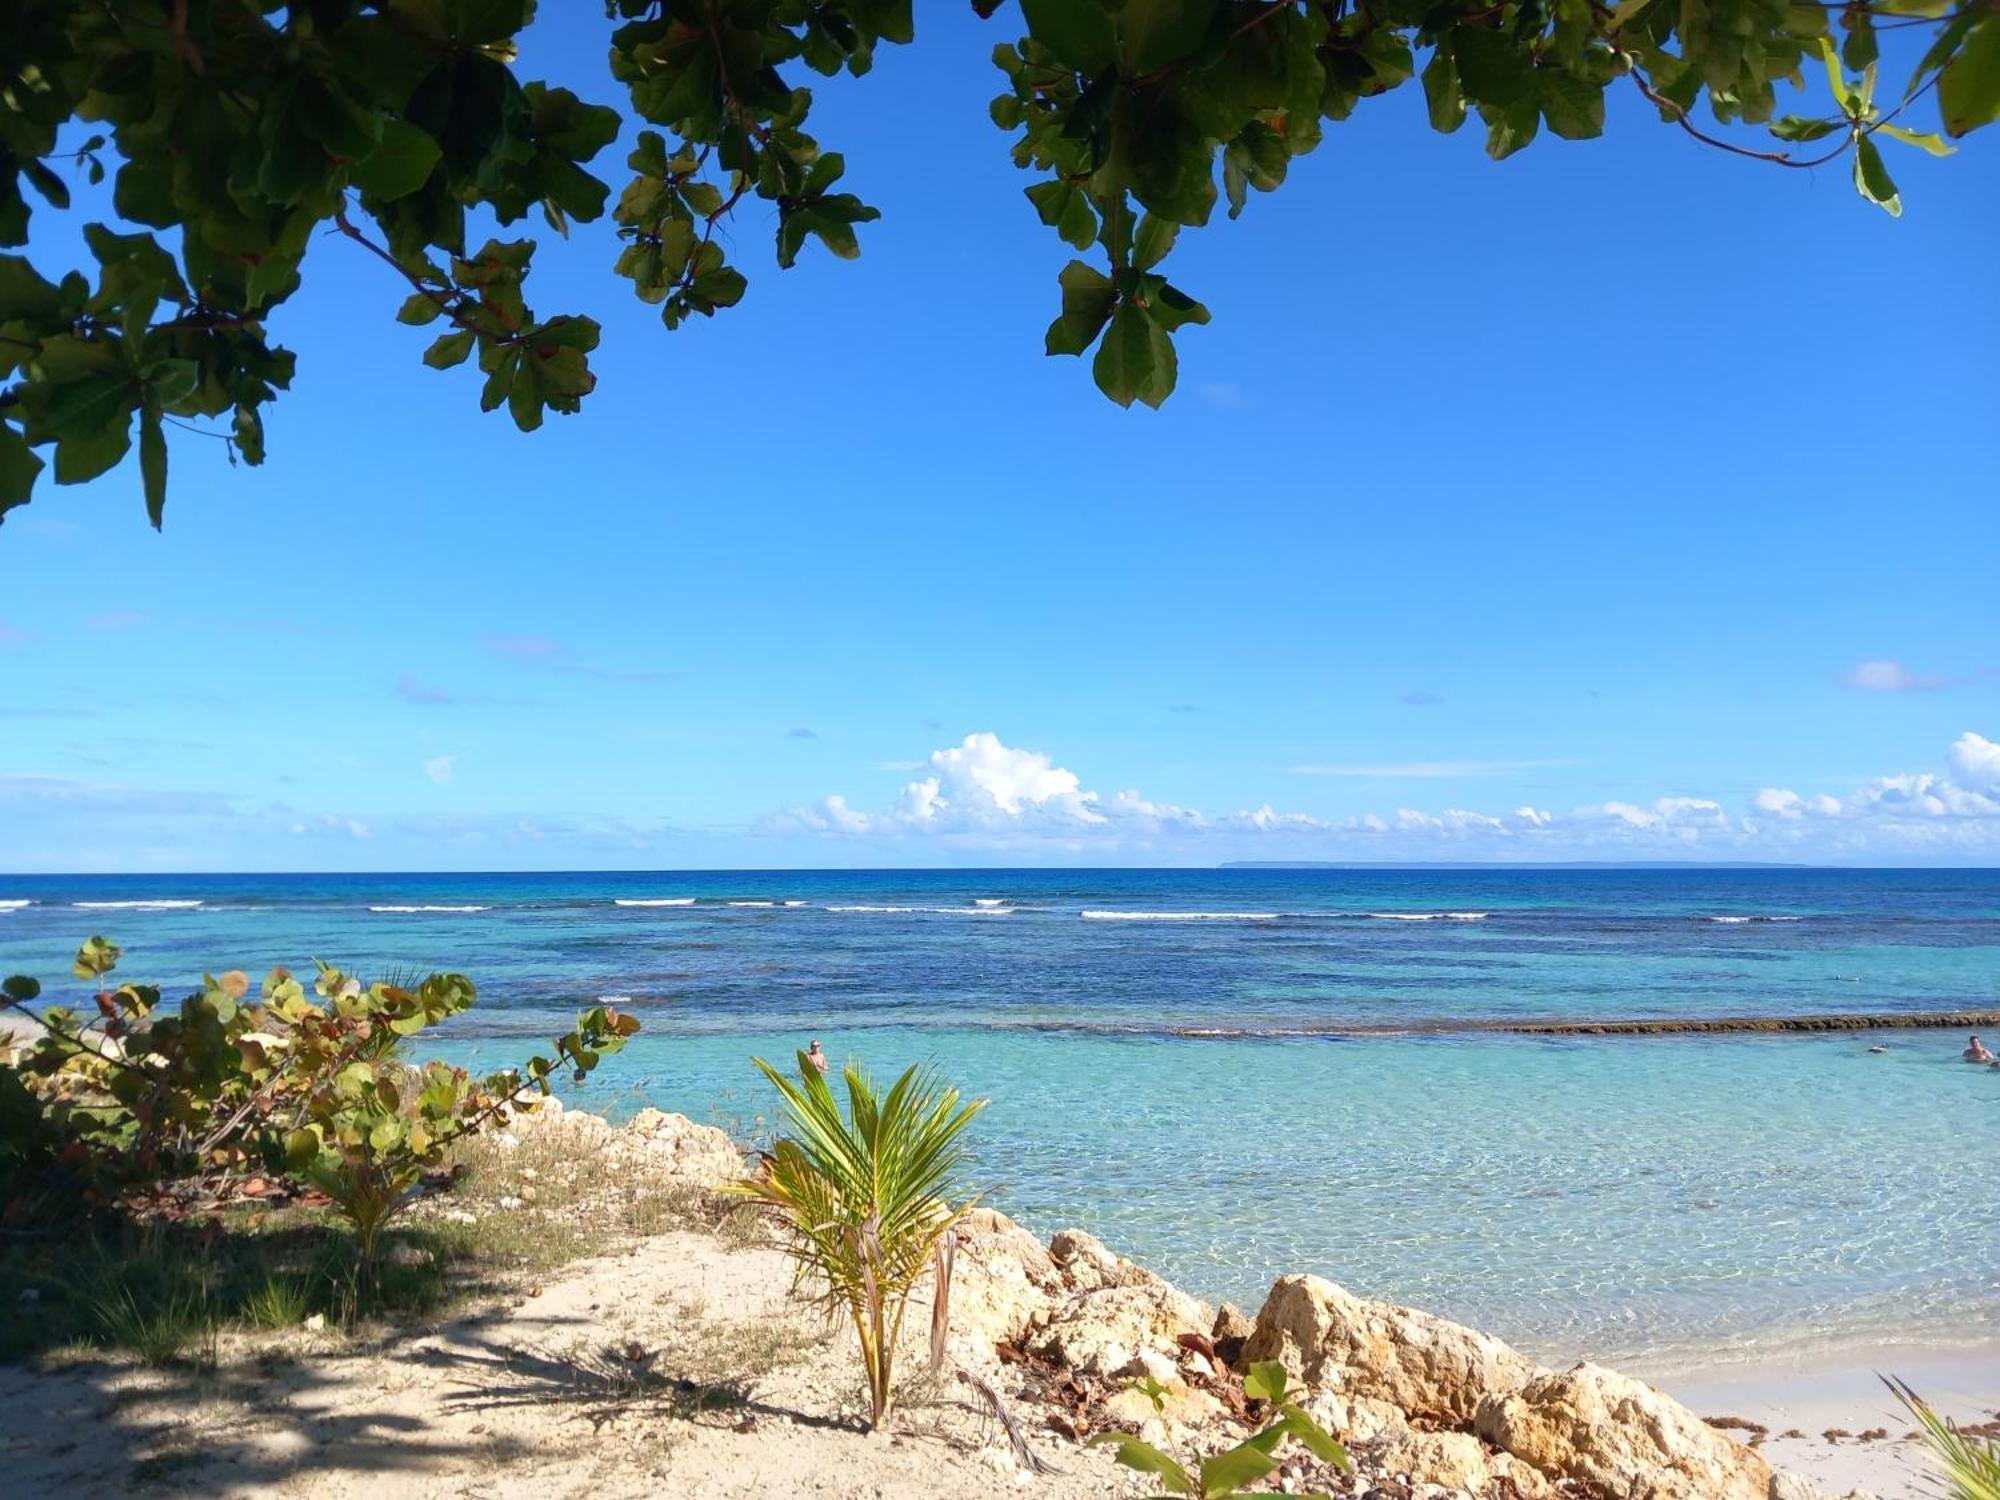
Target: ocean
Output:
[{"x": 1232, "y": 1073}]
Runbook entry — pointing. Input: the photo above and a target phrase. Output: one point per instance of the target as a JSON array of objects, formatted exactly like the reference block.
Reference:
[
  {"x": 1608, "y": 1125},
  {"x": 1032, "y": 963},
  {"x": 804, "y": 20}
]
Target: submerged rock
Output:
[
  {"x": 1427, "y": 1365},
  {"x": 1605, "y": 1429}
]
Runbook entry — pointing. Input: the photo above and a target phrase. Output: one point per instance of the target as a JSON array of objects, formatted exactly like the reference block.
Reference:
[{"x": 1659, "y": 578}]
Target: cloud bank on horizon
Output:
[{"x": 982, "y": 793}]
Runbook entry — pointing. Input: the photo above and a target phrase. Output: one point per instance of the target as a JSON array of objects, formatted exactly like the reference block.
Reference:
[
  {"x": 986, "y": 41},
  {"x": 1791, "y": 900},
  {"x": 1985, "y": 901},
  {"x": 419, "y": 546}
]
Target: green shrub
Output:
[
  {"x": 311, "y": 1088},
  {"x": 867, "y": 1201}
]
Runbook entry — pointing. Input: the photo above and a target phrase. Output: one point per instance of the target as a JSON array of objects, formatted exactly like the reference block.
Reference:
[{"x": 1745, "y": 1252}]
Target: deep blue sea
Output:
[{"x": 1233, "y": 1073}]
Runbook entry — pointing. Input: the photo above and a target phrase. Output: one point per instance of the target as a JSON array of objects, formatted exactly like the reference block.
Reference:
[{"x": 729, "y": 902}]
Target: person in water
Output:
[
  {"x": 816, "y": 1057},
  {"x": 1975, "y": 1051}
]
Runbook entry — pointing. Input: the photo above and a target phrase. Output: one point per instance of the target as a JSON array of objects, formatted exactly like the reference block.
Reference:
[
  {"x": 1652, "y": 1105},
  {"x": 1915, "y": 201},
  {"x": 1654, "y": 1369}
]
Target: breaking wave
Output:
[{"x": 135, "y": 905}]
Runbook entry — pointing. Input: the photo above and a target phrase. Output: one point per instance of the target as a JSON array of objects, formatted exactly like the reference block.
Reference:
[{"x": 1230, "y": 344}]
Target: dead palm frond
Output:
[{"x": 868, "y": 1200}]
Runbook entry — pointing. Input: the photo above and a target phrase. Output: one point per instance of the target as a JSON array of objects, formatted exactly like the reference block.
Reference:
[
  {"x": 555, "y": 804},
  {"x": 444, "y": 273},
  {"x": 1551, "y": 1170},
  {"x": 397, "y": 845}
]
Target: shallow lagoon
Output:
[{"x": 1642, "y": 1199}]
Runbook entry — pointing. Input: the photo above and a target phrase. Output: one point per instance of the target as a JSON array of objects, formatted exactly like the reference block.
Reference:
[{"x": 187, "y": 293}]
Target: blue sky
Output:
[{"x": 1621, "y": 499}]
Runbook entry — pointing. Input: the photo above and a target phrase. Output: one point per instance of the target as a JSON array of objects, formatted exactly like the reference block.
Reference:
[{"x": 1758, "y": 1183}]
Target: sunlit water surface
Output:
[{"x": 1626, "y": 1198}]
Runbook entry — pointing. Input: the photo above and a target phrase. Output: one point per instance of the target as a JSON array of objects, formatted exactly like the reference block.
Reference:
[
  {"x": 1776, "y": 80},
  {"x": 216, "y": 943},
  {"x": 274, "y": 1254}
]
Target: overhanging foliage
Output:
[{"x": 243, "y": 127}]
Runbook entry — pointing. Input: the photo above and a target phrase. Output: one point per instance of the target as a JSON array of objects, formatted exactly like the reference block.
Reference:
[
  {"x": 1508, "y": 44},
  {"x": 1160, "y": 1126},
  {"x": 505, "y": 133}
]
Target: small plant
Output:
[
  {"x": 1971, "y": 1465},
  {"x": 159, "y": 1334},
  {"x": 1223, "y": 1476},
  {"x": 280, "y": 1302},
  {"x": 867, "y": 1201}
]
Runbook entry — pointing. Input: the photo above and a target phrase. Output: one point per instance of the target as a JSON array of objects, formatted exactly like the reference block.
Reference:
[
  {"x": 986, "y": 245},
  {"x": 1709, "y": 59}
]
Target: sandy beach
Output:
[
  {"x": 1843, "y": 1393},
  {"x": 679, "y": 1364}
]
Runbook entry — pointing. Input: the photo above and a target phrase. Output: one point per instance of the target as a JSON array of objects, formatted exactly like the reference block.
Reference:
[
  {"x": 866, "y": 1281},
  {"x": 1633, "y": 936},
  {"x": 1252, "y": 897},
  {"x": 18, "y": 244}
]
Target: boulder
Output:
[
  {"x": 1458, "y": 1461},
  {"x": 1427, "y": 1365},
  {"x": 1620, "y": 1435},
  {"x": 1105, "y": 1331},
  {"x": 701, "y": 1153},
  {"x": 1003, "y": 1283}
]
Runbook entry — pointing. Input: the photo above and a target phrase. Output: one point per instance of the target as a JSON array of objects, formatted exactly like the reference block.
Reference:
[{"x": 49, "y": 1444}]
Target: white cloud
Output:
[
  {"x": 1889, "y": 677},
  {"x": 440, "y": 768},
  {"x": 1976, "y": 760},
  {"x": 984, "y": 793}
]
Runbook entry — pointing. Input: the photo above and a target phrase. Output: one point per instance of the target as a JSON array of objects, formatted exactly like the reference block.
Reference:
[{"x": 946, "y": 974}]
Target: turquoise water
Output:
[{"x": 1625, "y": 1198}]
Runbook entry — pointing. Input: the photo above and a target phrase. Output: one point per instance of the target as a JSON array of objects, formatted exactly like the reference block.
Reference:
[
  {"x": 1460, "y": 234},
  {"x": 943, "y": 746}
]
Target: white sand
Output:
[{"x": 1844, "y": 1391}]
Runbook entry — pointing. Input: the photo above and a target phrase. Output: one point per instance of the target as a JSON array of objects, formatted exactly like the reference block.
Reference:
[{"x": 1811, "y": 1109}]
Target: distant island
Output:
[{"x": 1514, "y": 864}]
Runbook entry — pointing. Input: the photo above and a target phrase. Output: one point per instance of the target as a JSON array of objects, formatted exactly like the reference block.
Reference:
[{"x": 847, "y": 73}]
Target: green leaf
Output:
[
  {"x": 1079, "y": 32},
  {"x": 449, "y": 349},
  {"x": 418, "y": 309},
  {"x": 400, "y": 165},
  {"x": 153, "y": 463},
  {"x": 1153, "y": 241},
  {"x": 1834, "y": 78},
  {"x": 1124, "y": 367},
  {"x": 1492, "y": 69},
  {"x": 1799, "y": 128},
  {"x": 1147, "y": 1459},
  {"x": 1229, "y": 1471},
  {"x": 1087, "y": 300},
  {"x": 1154, "y": 33},
  {"x": 1933, "y": 143},
  {"x": 1442, "y": 94},
  {"x": 19, "y": 988},
  {"x": 1969, "y": 86},
  {"x": 1266, "y": 1381},
  {"x": 19, "y": 464},
  {"x": 1574, "y": 107},
  {"x": 1872, "y": 179},
  {"x": 1322, "y": 1444}
]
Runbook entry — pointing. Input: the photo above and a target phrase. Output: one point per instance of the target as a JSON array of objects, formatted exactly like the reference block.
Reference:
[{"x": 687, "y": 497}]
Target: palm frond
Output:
[
  {"x": 869, "y": 1198},
  {"x": 1971, "y": 1465}
]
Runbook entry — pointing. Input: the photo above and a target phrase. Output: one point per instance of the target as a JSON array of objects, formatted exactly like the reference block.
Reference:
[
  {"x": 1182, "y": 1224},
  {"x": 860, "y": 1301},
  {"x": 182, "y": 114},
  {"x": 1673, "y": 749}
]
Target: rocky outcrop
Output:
[
  {"x": 1604, "y": 1429},
  {"x": 1428, "y": 1366},
  {"x": 701, "y": 1153},
  {"x": 1115, "y": 1311}
]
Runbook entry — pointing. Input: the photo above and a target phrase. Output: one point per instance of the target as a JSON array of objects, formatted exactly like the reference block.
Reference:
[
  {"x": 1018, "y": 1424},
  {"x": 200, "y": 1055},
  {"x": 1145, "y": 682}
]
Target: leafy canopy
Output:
[{"x": 241, "y": 128}]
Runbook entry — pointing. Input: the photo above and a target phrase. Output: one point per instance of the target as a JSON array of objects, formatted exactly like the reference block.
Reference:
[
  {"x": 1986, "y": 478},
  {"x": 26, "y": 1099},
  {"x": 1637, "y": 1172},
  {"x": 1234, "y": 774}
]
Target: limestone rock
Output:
[
  {"x": 1105, "y": 1331},
  {"x": 1427, "y": 1365},
  {"x": 1003, "y": 1283},
  {"x": 1622, "y": 1436},
  {"x": 1114, "y": 1310},
  {"x": 700, "y": 1153},
  {"x": 1458, "y": 1461},
  {"x": 1230, "y": 1332}
]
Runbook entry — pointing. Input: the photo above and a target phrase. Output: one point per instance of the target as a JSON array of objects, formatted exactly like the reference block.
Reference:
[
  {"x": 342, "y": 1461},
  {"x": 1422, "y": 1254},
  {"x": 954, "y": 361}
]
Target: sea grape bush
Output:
[
  {"x": 140, "y": 1101},
  {"x": 244, "y": 128},
  {"x": 1225, "y": 1475}
]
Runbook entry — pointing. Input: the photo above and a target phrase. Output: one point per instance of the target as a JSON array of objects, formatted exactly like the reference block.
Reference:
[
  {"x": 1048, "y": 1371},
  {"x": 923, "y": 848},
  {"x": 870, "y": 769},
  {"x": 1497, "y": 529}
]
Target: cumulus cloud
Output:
[
  {"x": 1890, "y": 677},
  {"x": 985, "y": 793},
  {"x": 1976, "y": 761},
  {"x": 441, "y": 768}
]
